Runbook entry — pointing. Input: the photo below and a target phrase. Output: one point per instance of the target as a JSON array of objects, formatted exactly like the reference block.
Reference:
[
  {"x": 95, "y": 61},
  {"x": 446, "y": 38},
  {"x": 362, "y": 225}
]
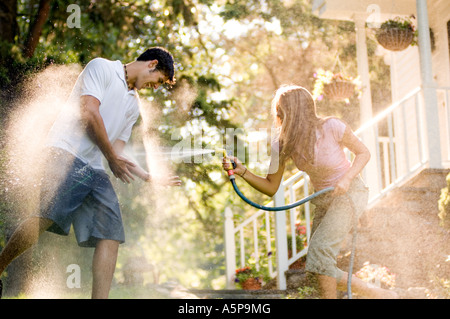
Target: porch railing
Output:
[{"x": 398, "y": 135}]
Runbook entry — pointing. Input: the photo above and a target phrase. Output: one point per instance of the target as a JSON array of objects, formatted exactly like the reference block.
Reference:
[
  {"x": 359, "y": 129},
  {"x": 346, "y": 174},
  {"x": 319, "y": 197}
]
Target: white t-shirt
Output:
[{"x": 119, "y": 108}]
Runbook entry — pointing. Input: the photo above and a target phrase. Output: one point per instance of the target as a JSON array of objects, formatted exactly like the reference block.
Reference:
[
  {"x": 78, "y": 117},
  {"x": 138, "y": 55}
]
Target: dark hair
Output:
[{"x": 165, "y": 61}]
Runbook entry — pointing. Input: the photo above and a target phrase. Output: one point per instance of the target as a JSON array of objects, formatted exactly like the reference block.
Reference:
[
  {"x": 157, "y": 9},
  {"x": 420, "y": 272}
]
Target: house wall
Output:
[
  {"x": 439, "y": 12},
  {"x": 405, "y": 71},
  {"x": 406, "y": 76}
]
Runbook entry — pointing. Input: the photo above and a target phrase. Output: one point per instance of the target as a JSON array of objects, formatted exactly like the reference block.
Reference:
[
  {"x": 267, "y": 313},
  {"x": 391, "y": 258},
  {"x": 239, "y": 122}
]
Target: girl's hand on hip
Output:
[{"x": 342, "y": 186}]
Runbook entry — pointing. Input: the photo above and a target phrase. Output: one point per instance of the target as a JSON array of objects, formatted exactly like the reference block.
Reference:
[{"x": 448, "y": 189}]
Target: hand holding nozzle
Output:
[
  {"x": 231, "y": 164},
  {"x": 227, "y": 164}
]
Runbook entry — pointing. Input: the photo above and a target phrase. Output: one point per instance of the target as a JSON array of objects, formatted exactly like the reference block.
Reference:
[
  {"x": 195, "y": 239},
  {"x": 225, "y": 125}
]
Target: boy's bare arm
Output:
[{"x": 95, "y": 128}]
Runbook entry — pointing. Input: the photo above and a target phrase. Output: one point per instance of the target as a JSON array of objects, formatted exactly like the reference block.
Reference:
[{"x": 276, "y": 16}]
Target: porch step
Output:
[
  {"x": 411, "y": 198},
  {"x": 431, "y": 178},
  {"x": 238, "y": 294}
]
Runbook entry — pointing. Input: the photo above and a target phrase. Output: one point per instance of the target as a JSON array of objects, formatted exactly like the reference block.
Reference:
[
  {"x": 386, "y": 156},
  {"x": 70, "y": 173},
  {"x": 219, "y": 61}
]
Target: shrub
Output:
[{"x": 444, "y": 205}]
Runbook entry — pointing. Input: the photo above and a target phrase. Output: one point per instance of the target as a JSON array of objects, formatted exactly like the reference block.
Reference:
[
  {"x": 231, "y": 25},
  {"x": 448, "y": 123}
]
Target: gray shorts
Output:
[
  {"x": 333, "y": 220},
  {"x": 73, "y": 193}
]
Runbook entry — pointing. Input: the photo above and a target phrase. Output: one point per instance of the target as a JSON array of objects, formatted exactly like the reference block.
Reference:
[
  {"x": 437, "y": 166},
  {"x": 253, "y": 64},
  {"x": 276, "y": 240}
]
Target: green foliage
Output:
[
  {"x": 441, "y": 287},
  {"x": 444, "y": 204},
  {"x": 305, "y": 292},
  {"x": 399, "y": 22}
]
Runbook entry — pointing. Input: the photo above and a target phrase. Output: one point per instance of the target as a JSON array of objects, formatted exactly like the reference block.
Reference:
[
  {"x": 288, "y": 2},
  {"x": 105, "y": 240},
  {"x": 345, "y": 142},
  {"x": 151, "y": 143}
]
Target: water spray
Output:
[{"x": 232, "y": 178}]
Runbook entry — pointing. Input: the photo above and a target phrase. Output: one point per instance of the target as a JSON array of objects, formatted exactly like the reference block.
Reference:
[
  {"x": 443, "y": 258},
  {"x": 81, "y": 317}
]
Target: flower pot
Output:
[
  {"x": 339, "y": 90},
  {"x": 394, "y": 39},
  {"x": 251, "y": 284}
]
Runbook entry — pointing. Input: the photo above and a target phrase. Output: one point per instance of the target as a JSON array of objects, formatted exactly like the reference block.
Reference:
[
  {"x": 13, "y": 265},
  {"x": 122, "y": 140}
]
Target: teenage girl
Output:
[{"x": 316, "y": 145}]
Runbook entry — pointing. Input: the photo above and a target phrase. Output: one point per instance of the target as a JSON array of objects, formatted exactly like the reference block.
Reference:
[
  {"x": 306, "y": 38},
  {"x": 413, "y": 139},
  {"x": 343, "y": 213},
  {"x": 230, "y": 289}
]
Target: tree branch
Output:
[{"x": 36, "y": 28}]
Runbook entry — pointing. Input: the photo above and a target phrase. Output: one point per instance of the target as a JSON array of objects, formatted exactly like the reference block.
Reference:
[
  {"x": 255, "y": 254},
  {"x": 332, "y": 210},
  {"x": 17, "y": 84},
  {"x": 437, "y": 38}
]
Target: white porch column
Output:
[
  {"x": 368, "y": 137},
  {"x": 230, "y": 249},
  {"x": 281, "y": 239},
  {"x": 429, "y": 87}
]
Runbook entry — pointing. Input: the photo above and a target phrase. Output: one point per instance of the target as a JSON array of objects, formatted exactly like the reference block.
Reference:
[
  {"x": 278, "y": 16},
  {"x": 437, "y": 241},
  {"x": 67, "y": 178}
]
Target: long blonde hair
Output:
[{"x": 294, "y": 113}]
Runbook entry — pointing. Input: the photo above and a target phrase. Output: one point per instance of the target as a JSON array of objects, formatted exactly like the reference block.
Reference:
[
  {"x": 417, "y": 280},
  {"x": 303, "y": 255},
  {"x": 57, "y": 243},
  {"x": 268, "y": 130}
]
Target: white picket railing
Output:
[
  {"x": 399, "y": 143},
  {"x": 297, "y": 187},
  {"x": 399, "y": 137}
]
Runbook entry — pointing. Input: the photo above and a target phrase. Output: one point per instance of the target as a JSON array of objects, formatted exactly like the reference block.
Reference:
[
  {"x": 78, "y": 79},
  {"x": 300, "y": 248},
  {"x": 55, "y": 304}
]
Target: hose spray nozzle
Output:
[{"x": 224, "y": 153}]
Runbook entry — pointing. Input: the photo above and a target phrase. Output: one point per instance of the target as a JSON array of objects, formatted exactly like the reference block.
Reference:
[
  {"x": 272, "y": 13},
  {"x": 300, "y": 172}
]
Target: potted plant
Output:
[
  {"x": 336, "y": 86},
  {"x": 397, "y": 34},
  {"x": 248, "y": 278},
  {"x": 300, "y": 240}
]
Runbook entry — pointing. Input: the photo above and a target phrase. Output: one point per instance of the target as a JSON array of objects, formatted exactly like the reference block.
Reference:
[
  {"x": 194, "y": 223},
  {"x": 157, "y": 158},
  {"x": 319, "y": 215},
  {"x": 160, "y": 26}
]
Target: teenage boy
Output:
[{"x": 96, "y": 121}]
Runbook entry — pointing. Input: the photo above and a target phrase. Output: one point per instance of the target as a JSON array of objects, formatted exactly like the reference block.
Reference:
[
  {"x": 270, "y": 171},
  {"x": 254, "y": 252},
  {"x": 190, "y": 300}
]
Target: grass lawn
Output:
[{"x": 117, "y": 292}]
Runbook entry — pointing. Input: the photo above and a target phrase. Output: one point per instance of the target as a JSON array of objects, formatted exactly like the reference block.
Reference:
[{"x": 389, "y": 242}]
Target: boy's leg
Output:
[
  {"x": 103, "y": 266},
  {"x": 23, "y": 238}
]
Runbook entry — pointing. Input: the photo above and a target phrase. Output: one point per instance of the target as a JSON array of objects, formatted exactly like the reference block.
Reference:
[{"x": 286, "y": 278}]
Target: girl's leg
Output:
[
  {"x": 327, "y": 287},
  {"x": 333, "y": 220}
]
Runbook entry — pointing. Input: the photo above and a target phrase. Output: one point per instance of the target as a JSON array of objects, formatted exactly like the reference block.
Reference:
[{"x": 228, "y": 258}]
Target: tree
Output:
[{"x": 36, "y": 28}]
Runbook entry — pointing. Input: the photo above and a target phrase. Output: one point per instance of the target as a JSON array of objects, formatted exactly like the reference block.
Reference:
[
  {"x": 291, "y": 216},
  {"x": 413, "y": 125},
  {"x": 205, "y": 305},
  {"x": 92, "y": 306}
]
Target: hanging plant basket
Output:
[
  {"x": 335, "y": 86},
  {"x": 397, "y": 34},
  {"x": 251, "y": 284},
  {"x": 395, "y": 39},
  {"x": 339, "y": 90}
]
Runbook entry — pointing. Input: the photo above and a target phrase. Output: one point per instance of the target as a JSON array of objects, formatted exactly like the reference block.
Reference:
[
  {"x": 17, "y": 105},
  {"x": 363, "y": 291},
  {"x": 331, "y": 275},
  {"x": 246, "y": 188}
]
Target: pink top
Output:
[{"x": 330, "y": 162}]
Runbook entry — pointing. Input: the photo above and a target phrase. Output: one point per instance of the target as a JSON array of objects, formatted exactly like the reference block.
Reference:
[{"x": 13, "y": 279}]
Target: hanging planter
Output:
[
  {"x": 335, "y": 86},
  {"x": 339, "y": 90},
  {"x": 396, "y": 34}
]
